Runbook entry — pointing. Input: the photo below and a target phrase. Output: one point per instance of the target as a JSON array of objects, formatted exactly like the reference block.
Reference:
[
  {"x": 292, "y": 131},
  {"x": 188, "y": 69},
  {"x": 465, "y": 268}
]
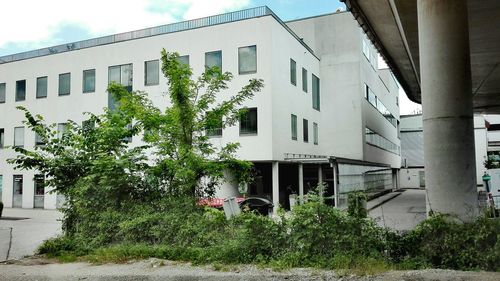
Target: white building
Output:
[
  {"x": 326, "y": 111},
  {"x": 412, "y": 174}
]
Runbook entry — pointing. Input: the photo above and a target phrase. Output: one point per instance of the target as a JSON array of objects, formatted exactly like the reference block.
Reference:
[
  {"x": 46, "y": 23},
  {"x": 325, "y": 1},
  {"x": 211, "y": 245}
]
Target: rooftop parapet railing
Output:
[{"x": 152, "y": 31}]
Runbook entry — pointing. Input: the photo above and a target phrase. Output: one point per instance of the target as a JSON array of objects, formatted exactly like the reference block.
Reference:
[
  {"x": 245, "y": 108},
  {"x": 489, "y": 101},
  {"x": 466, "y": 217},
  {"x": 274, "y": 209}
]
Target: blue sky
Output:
[{"x": 61, "y": 21}]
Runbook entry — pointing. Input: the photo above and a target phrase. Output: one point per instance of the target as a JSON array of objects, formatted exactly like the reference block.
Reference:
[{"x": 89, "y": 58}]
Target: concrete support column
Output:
[
  {"x": 447, "y": 107},
  {"x": 320, "y": 181},
  {"x": 335, "y": 185},
  {"x": 276, "y": 187},
  {"x": 301, "y": 183}
]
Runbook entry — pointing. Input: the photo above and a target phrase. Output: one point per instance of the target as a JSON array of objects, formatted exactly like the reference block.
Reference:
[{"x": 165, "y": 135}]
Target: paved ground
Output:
[
  {"x": 28, "y": 233},
  {"x": 154, "y": 269},
  {"x": 403, "y": 212}
]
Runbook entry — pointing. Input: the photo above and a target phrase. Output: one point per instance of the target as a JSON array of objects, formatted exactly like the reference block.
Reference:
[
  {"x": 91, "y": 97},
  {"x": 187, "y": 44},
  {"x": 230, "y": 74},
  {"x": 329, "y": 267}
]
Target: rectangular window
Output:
[
  {"x": 213, "y": 59},
  {"x": 247, "y": 59},
  {"x": 183, "y": 60},
  {"x": 151, "y": 72},
  {"x": 121, "y": 74},
  {"x": 64, "y": 84},
  {"x": 19, "y": 136},
  {"x": 315, "y": 133},
  {"x": 62, "y": 129},
  {"x": 213, "y": 125},
  {"x": 88, "y": 81},
  {"x": 20, "y": 90},
  {"x": 39, "y": 140},
  {"x": 293, "y": 72},
  {"x": 248, "y": 122},
  {"x": 366, "y": 49},
  {"x": 2, "y": 92},
  {"x": 305, "y": 127},
  {"x": 2, "y": 137},
  {"x": 41, "y": 87},
  {"x": 315, "y": 92},
  {"x": 372, "y": 98},
  {"x": 304, "y": 80},
  {"x": 294, "y": 127}
]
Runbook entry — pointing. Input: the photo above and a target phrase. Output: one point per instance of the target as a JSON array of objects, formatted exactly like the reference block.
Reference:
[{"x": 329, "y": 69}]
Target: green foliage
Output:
[
  {"x": 444, "y": 243},
  {"x": 356, "y": 204}
]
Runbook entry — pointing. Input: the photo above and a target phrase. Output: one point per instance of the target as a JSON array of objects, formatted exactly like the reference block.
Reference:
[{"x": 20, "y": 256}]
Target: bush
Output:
[{"x": 444, "y": 243}]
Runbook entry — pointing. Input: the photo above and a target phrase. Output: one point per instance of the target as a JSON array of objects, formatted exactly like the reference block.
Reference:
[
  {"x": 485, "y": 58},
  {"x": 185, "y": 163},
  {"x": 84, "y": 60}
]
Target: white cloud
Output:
[{"x": 29, "y": 22}]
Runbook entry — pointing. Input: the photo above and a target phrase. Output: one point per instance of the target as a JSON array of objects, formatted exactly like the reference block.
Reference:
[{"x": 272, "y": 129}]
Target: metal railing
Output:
[{"x": 153, "y": 31}]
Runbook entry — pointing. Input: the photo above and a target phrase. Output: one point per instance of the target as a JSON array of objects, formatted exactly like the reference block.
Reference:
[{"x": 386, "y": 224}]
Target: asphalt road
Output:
[
  {"x": 403, "y": 212},
  {"x": 30, "y": 227}
]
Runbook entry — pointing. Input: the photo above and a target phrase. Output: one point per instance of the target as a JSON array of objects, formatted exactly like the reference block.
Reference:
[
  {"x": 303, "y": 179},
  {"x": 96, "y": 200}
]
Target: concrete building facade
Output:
[
  {"x": 412, "y": 173},
  {"x": 326, "y": 114}
]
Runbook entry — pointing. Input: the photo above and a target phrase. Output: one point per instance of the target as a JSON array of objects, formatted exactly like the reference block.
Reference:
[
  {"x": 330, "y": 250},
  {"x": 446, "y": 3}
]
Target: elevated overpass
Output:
[{"x": 446, "y": 55}]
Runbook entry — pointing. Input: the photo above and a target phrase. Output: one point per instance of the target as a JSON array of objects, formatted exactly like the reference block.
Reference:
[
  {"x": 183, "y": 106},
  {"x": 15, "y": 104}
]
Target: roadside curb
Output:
[{"x": 396, "y": 194}]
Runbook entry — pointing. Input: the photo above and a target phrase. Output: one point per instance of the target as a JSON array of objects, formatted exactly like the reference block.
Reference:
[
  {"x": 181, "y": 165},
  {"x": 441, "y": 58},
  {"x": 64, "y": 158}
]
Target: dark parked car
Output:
[{"x": 261, "y": 205}]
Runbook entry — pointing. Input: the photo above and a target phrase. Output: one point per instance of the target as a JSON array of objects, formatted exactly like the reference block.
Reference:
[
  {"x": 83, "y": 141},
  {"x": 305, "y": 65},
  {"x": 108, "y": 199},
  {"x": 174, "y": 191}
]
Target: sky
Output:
[{"x": 53, "y": 22}]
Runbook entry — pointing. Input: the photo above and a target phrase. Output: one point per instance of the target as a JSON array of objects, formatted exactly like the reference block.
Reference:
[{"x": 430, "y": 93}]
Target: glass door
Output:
[
  {"x": 17, "y": 197},
  {"x": 39, "y": 191}
]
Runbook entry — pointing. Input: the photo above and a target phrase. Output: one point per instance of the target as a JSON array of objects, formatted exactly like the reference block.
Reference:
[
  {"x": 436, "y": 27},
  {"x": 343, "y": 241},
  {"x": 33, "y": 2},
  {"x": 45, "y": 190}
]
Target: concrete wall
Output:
[
  {"x": 410, "y": 177},
  {"x": 337, "y": 39},
  {"x": 413, "y": 124}
]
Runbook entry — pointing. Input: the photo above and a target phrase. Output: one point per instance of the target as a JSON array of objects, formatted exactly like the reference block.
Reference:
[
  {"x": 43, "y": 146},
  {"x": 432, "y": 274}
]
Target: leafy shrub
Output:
[
  {"x": 356, "y": 204},
  {"x": 448, "y": 244}
]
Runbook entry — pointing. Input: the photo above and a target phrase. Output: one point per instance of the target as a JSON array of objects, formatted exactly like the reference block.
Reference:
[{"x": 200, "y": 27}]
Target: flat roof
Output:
[{"x": 154, "y": 31}]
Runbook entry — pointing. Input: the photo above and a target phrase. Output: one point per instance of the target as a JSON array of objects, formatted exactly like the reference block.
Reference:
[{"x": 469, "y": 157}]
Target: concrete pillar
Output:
[
  {"x": 320, "y": 181},
  {"x": 335, "y": 185},
  {"x": 447, "y": 107},
  {"x": 276, "y": 187},
  {"x": 301, "y": 183}
]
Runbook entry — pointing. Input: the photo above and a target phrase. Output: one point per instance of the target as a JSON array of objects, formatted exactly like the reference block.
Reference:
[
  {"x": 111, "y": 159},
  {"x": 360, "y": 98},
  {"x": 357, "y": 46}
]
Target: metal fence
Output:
[{"x": 370, "y": 179}]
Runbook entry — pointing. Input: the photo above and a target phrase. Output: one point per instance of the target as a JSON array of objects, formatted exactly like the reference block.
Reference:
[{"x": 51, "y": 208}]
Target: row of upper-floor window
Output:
[
  {"x": 305, "y": 129},
  {"x": 314, "y": 81},
  {"x": 19, "y": 135},
  {"x": 381, "y": 108},
  {"x": 375, "y": 139},
  {"x": 248, "y": 126},
  {"x": 247, "y": 64}
]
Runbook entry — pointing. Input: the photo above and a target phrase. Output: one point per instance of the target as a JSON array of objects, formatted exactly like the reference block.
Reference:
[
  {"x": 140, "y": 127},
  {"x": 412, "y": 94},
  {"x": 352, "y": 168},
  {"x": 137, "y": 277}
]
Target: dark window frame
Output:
[
  {"x": 293, "y": 72},
  {"x": 59, "y": 91},
  {"x": 38, "y": 96},
  {"x": 18, "y": 97},
  {"x": 155, "y": 83},
  {"x": 294, "y": 126},
  {"x": 239, "y": 60},
  {"x": 3, "y": 93},
  {"x": 305, "y": 130},
  {"x": 221, "y": 60},
  {"x": 304, "y": 80},
  {"x": 83, "y": 81},
  {"x": 247, "y": 120}
]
